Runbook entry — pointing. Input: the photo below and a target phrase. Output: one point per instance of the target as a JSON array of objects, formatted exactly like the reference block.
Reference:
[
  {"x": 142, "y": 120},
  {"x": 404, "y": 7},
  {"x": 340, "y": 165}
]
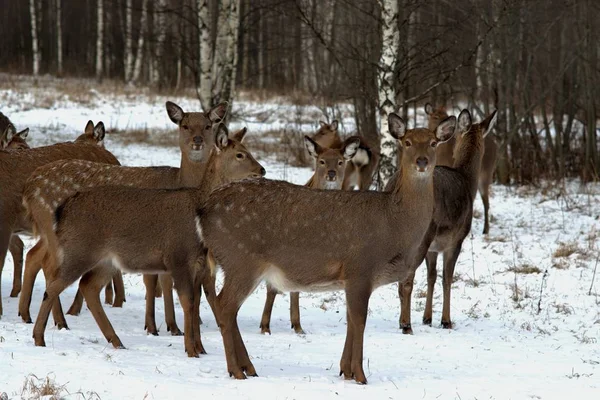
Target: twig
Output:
[
  {"x": 539, "y": 308},
  {"x": 594, "y": 276}
]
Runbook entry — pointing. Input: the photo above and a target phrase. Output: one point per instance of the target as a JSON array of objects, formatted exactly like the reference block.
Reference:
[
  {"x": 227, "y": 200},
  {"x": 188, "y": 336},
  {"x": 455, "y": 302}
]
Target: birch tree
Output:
[
  {"x": 34, "y": 38},
  {"x": 387, "y": 93},
  {"x": 59, "y": 39},
  {"x": 137, "y": 69},
  {"x": 205, "y": 55},
  {"x": 161, "y": 33},
  {"x": 225, "y": 57},
  {"x": 100, "y": 39},
  {"x": 128, "y": 41}
]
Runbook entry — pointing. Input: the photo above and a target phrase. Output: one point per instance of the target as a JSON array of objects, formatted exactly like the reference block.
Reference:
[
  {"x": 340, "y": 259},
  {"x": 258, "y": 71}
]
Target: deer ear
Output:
[
  {"x": 221, "y": 137},
  {"x": 23, "y": 134},
  {"x": 428, "y": 108},
  {"x": 239, "y": 135},
  {"x": 218, "y": 112},
  {"x": 396, "y": 125},
  {"x": 175, "y": 112},
  {"x": 323, "y": 124},
  {"x": 99, "y": 131},
  {"x": 445, "y": 129},
  {"x": 89, "y": 128},
  {"x": 313, "y": 147},
  {"x": 334, "y": 125},
  {"x": 10, "y": 132},
  {"x": 488, "y": 123},
  {"x": 351, "y": 146},
  {"x": 464, "y": 121}
]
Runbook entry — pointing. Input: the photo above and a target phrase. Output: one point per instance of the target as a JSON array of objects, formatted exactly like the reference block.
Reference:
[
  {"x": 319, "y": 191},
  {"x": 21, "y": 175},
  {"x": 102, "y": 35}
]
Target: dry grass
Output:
[
  {"x": 560, "y": 263},
  {"x": 286, "y": 146},
  {"x": 524, "y": 269},
  {"x": 491, "y": 239},
  {"x": 567, "y": 249},
  {"x": 35, "y": 388},
  {"x": 154, "y": 137}
]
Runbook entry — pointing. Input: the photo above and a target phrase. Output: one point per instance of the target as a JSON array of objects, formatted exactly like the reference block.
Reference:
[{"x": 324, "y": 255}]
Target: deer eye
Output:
[
  {"x": 185, "y": 127},
  {"x": 322, "y": 162},
  {"x": 433, "y": 143},
  {"x": 207, "y": 127},
  {"x": 239, "y": 156},
  {"x": 407, "y": 143},
  {"x": 340, "y": 162}
]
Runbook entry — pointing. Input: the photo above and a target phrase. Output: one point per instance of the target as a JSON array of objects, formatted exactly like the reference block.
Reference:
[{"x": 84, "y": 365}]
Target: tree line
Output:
[{"x": 536, "y": 61}]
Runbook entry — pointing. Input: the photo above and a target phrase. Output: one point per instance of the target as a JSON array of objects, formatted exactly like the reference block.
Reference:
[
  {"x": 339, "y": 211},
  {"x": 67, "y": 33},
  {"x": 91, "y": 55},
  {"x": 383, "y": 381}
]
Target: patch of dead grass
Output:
[
  {"x": 567, "y": 249},
  {"x": 524, "y": 269},
  {"x": 36, "y": 388}
]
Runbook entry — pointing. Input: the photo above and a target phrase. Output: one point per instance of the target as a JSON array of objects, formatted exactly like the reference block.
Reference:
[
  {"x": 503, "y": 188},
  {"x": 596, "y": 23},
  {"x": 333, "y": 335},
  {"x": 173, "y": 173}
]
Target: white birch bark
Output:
[
  {"x": 34, "y": 38},
  {"x": 205, "y": 61},
  {"x": 161, "y": 33},
  {"x": 387, "y": 94},
  {"x": 137, "y": 69},
  {"x": 59, "y": 39},
  {"x": 100, "y": 39},
  {"x": 225, "y": 57},
  {"x": 128, "y": 41}
]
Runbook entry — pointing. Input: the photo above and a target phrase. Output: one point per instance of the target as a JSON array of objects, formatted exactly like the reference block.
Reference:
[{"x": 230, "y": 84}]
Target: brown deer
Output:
[
  {"x": 13, "y": 140},
  {"x": 142, "y": 230},
  {"x": 301, "y": 239},
  {"x": 51, "y": 184},
  {"x": 454, "y": 193},
  {"x": 488, "y": 161},
  {"x": 330, "y": 167},
  {"x": 360, "y": 169},
  {"x": 15, "y": 168}
]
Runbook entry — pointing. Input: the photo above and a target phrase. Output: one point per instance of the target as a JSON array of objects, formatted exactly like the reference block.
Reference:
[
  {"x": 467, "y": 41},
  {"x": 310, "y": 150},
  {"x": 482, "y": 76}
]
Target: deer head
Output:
[
  {"x": 232, "y": 161},
  {"x": 435, "y": 115},
  {"x": 93, "y": 134},
  {"x": 327, "y": 135},
  {"x": 11, "y": 139},
  {"x": 330, "y": 164}
]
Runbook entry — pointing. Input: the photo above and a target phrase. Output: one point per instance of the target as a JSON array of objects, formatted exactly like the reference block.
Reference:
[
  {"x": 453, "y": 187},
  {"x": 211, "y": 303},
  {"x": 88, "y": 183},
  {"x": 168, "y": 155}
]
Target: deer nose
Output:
[
  {"x": 263, "y": 172},
  {"x": 422, "y": 162},
  {"x": 331, "y": 174},
  {"x": 198, "y": 140}
]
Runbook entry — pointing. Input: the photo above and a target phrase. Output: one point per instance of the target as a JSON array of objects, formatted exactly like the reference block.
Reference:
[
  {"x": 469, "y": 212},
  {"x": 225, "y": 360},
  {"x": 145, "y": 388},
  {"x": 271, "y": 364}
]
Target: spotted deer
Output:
[
  {"x": 330, "y": 167},
  {"x": 151, "y": 231},
  {"x": 360, "y": 169},
  {"x": 299, "y": 239},
  {"x": 488, "y": 161},
  {"x": 15, "y": 168},
  {"x": 51, "y": 184},
  {"x": 454, "y": 193}
]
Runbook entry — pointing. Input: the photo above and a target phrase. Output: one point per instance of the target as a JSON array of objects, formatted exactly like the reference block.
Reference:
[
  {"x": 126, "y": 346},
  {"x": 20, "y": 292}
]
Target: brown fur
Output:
[
  {"x": 16, "y": 166},
  {"x": 455, "y": 190},
  {"x": 488, "y": 161},
  {"x": 51, "y": 184},
  {"x": 142, "y": 230},
  {"x": 330, "y": 168},
  {"x": 301, "y": 239}
]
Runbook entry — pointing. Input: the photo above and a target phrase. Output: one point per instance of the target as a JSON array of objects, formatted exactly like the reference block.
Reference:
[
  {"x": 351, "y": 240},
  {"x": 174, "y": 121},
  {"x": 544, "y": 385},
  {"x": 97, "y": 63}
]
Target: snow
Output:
[{"x": 501, "y": 346}]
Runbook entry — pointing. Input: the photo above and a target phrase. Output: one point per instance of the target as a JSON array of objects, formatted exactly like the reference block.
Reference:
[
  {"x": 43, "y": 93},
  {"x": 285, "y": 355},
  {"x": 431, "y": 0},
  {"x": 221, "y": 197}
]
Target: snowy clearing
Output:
[{"x": 525, "y": 325}]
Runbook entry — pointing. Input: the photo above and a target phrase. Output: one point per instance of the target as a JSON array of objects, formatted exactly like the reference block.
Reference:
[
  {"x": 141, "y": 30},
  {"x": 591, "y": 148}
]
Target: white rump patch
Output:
[{"x": 361, "y": 158}]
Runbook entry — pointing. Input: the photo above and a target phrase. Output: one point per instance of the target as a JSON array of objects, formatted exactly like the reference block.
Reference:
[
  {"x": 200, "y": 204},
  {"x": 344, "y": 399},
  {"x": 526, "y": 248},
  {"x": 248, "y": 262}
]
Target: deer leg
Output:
[
  {"x": 16, "y": 249},
  {"x": 431, "y": 262},
  {"x": 295, "y": 313},
  {"x": 5, "y": 235},
  {"x": 485, "y": 197},
  {"x": 196, "y": 321},
  {"x": 184, "y": 284},
  {"x": 53, "y": 289},
  {"x": 77, "y": 304},
  {"x": 265, "y": 322},
  {"x": 210, "y": 291},
  {"x": 450, "y": 257},
  {"x": 158, "y": 292},
  {"x": 405, "y": 292},
  {"x": 91, "y": 285},
  {"x": 57, "y": 312},
  {"x": 119, "y": 289},
  {"x": 242, "y": 353},
  {"x": 150, "y": 324},
  {"x": 109, "y": 293},
  {"x": 357, "y": 303},
  {"x": 166, "y": 282},
  {"x": 346, "y": 361},
  {"x": 33, "y": 263}
]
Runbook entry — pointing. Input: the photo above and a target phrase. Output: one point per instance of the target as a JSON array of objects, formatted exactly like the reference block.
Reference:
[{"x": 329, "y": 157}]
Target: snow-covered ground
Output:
[{"x": 517, "y": 334}]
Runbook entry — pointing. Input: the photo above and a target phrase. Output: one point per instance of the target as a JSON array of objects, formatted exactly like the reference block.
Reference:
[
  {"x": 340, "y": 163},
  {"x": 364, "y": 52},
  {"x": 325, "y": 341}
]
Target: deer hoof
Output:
[
  {"x": 15, "y": 292},
  {"x": 406, "y": 329},
  {"x": 265, "y": 329},
  {"x": 237, "y": 374},
  {"x": 447, "y": 325},
  {"x": 427, "y": 321}
]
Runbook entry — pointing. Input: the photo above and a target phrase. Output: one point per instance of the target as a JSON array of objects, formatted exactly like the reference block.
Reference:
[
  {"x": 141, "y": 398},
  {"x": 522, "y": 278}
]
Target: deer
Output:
[
  {"x": 163, "y": 239},
  {"x": 301, "y": 239},
  {"x": 15, "y": 168},
  {"x": 360, "y": 169},
  {"x": 330, "y": 168},
  {"x": 53, "y": 183},
  {"x": 488, "y": 161},
  {"x": 13, "y": 140},
  {"x": 455, "y": 189}
]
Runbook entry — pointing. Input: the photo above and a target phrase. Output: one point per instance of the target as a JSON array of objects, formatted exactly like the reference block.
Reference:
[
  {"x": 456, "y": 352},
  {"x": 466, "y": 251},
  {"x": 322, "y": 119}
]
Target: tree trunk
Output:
[
  {"x": 137, "y": 69},
  {"x": 225, "y": 56},
  {"x": 205, "y": 55},
  {"x": 161, "y": 33},
  {"x": 261, "y": 50},
  {"x": 387, "y": 93},
  {"x": 34, "y": 38},
  {"x": 100, "y": 39},
  {"x": 128, "y": 41},
  {"x": 59, "y": 39}
]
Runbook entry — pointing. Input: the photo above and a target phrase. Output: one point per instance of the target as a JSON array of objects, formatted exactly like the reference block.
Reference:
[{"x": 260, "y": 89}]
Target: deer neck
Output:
[
  {"x": 414, "y": 194},
  {"x": 212, "y": 177},
  {"x": 191, "y": 174},
  {"x": 467, "y": 160}
]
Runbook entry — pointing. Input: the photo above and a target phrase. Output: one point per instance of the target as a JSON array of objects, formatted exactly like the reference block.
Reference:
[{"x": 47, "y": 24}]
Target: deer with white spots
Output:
[
  {"x": 330, "y": 169},
  {"x": 150, "y": 231},
  {"x": 51, "y": 184},
  {"x": 301, "y": 239},
  {"x": 17, "y": 166},
  {"x": 454, "y": 193}
]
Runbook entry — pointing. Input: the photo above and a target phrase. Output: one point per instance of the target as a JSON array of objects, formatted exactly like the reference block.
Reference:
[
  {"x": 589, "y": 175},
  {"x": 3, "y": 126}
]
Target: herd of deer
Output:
[{"x": 95, "y": 218}]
